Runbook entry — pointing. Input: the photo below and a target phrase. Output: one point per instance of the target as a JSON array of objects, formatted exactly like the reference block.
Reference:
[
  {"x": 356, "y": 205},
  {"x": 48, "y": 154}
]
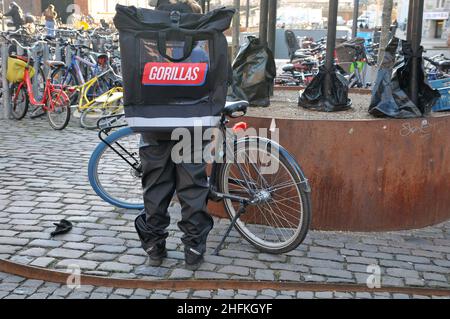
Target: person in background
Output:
[
  {"x": 50, "y": 16},
  {"x": 16, "y": 14}
]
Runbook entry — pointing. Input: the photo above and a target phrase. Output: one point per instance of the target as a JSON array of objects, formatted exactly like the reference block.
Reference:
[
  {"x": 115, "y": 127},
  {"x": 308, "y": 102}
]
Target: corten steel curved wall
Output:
[{"x": 371, "y": 175}]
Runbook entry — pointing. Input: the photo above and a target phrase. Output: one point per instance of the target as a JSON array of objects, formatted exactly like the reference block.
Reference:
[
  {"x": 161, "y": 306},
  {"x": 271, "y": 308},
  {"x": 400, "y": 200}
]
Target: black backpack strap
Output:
[{"x": 188, "y": 47}]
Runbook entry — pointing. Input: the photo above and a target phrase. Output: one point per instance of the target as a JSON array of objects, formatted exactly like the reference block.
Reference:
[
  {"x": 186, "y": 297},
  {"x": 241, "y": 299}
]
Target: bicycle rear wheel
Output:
[
  {"x": 262, "y": 170},
  {"x": 112, "y": 178}
]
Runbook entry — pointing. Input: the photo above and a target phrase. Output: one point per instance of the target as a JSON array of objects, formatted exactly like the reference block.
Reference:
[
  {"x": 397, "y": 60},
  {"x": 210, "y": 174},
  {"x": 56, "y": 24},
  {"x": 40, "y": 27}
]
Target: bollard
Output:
[{"x": 6, "y": 97}]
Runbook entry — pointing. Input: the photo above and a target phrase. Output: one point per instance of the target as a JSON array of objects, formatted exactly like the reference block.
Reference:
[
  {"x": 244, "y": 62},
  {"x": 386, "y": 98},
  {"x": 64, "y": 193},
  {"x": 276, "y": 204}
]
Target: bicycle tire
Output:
[
  {"x": 302, "y": 188},
  {"x": 61, "y": 109},
  {"x": 18, "y": 111},
  {"x": 93, "y": 172}
]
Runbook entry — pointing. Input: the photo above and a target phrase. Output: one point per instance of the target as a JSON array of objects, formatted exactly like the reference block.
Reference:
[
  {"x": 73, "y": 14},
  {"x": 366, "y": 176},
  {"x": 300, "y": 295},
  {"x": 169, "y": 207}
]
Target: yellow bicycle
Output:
[{"x": 91, "y": 108}]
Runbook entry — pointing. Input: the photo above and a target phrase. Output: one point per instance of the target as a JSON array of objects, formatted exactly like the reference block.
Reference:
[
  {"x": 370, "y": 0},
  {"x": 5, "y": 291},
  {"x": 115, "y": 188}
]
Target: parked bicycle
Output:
[{"x": 54, "y": 101}]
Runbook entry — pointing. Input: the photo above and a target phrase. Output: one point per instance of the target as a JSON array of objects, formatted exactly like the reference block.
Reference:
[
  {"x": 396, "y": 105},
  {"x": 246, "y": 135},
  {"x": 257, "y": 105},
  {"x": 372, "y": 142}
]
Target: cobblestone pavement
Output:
[{"x": 43, "y": 178}]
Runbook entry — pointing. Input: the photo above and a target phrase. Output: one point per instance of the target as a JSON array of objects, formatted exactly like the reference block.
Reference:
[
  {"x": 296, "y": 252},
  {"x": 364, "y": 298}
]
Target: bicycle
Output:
[
  {"x": 91, "y": 108},
  {"x": 54, "y": 101},
  {"x": 271, "y": 211}
]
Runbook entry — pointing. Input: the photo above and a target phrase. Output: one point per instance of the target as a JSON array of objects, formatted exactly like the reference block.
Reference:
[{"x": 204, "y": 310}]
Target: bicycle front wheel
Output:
[
  {"x": 115, "y": 173},
  {"x": 19, "y": 101},
  {"x": 91, "y": 116},
  {"x": 58, "y": 110},
  {"x": 278, "y": 219}
]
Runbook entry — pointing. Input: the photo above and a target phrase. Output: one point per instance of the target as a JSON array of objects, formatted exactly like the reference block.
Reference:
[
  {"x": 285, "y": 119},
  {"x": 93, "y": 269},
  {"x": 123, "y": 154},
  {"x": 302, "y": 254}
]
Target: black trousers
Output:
[{"x": 161, "y": 178}]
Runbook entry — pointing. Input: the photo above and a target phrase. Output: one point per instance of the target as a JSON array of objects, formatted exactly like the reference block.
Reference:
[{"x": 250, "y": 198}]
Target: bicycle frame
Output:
[
  {"x": 48, "y": 90},
  {"x": 85, "y": 102}
]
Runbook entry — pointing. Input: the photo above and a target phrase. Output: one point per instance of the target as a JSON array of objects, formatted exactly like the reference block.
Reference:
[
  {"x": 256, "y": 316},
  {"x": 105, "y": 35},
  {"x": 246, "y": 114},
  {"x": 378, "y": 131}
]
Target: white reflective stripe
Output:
[{"x": 207, "y": 121}]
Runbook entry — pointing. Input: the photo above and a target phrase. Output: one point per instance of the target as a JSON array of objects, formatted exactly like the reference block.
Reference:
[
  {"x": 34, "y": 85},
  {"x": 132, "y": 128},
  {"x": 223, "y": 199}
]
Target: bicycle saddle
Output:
[
  {"x": 444, "y": 64},
  {"x": 54, "y": 64},
  {"x": 288, "y": 68},
  {"x": 235, "y": 109}
]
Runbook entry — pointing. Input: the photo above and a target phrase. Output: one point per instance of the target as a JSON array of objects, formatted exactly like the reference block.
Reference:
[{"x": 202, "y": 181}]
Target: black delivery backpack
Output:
[{"x": 175, "y": 67}]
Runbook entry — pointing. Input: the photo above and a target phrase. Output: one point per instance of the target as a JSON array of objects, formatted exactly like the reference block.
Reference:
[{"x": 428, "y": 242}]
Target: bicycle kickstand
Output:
[{"x": 241, "y": 211}]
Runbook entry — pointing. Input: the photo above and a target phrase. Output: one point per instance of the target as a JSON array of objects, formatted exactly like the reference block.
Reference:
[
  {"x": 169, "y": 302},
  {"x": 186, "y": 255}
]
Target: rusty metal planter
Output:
[{"x": 371, "y": 175}]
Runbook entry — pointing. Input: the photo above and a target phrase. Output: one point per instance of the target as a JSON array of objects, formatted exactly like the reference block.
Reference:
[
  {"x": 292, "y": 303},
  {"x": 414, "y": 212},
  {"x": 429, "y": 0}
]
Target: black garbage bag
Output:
[
  {"x": 315, "y": 98},
  {"x": 391, "y": 94},
  {"x": 254, "y": 71}
]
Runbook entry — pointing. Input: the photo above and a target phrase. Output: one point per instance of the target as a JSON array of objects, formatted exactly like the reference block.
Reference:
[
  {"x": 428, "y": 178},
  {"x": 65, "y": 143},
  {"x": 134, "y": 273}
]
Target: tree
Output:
[{"x": 386, "y": 18}]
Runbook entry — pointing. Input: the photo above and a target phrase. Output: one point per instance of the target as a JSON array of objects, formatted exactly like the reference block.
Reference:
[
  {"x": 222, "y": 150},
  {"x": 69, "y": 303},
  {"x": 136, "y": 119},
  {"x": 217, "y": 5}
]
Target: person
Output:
[
  {"x": 16, "y": 14},
  {"x": 50, "y": 16},
  {"x": 162, "y": 177}
]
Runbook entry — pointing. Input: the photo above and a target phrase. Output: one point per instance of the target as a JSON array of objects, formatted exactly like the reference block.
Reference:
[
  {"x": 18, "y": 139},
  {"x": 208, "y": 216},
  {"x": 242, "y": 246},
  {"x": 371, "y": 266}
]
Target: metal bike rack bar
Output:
[
  {"x": 6, "y": 98},
  {"x": 58, "y": 55},
  {"x": 46, "y": 57},
  {"x": 35, "y": 55},
  {"x": 68, "y": 55}
]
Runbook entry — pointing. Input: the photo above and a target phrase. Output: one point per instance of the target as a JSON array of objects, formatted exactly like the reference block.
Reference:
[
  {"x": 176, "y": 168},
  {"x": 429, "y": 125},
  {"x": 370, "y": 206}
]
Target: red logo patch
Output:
[{"x": 176, "y": 74}]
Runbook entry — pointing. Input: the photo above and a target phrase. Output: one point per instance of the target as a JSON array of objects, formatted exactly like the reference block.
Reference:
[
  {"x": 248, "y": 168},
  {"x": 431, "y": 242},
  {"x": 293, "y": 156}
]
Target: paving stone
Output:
[
  {"x": 332, "y": 272},
  {"x": 124, "y": 292},
  {"x": 202, "y": 294},
  {"x": 235, "y": 270},
  {"x": 362, "y": 260},
  {"x": 397, "y": 272},
  {"x": 110, "y": 249},
  {"x": 263, "y": 274},
  {"x": 38, "y": 296},
  {"x": 66, "y": 253},
  {"x": 13, "y": 241},
  {"x": 324, "y": 295},
  {"x": 413, "y": 259},
  {"x": 34, "y": 252},
  {"x": 81, "y": 263},
  {"x": 273, "y": 258},
  {"x": 7, "y": 249},
  {"x": 79, "y": 246},
  {"x": 181, "y": 274},
  {"x": 132, "y": 260},
  {"x": 305, "y": 295},
  {"x": 432, "y": 276},
  {"x": 363, "y": 295},
  {"x": 98, "y": 296},
  {"x": 209, "y": 275},
  {"x": 106, "y": 241},
  {"x": 115, "y": 267},
  {"x": 45, "y": 243},
  {"x": 269, "y": 293},
  {"x": 100, "y": 257}
]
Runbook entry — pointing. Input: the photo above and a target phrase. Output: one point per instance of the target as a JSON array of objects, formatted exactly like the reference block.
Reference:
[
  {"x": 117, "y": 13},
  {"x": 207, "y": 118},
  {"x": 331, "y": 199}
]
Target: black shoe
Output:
[
  {"x": 157, "y": 254},
  {"x": 193, "y": 259}
]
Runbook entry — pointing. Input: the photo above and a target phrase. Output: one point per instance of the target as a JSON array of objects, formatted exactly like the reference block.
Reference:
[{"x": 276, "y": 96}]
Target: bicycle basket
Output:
[{"x": 16, "y": 70}]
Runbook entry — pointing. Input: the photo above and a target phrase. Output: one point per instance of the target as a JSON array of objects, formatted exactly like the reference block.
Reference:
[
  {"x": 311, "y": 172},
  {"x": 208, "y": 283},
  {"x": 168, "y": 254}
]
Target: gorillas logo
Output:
[{"x": 176, "y": 74}]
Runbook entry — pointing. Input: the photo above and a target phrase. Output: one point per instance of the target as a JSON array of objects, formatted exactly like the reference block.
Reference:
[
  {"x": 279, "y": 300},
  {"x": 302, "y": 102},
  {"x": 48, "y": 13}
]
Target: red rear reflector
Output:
[{"x": 241, "y": 126}]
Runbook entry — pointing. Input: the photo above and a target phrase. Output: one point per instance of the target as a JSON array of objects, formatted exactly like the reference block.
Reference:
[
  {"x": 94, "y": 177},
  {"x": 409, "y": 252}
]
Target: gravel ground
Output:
[{"x": 285, "y": 105}]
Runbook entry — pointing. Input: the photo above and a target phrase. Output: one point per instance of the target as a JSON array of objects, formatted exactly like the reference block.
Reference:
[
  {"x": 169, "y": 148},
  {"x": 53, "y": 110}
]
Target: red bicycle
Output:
[{"x": 54, "y": 101}]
